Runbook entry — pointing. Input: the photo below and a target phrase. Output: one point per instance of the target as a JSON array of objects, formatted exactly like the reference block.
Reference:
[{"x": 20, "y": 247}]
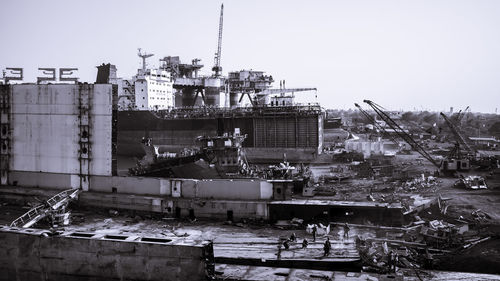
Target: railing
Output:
[
  {"x": 30, "y": 217},
  {"x": 39, "y": 212}
]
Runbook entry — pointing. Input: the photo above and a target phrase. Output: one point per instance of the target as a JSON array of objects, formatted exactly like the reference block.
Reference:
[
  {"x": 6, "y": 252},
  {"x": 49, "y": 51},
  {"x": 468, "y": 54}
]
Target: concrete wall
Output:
[
  {"x": 29, "y": 254},
  {"x": 45, "y": 131},
  {"x": 34, "y": 179},
  {"x": 131, "y": 185},
  {"x": 236, "y": 189},
  {"x": 229, "y": 189},
  {"x": 203, "y": 208}
]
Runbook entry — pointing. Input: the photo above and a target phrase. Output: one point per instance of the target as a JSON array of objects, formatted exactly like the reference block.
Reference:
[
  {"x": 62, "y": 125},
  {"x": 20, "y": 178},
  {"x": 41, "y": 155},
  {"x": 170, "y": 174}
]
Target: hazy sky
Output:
[{"x": 401, "y": 54}]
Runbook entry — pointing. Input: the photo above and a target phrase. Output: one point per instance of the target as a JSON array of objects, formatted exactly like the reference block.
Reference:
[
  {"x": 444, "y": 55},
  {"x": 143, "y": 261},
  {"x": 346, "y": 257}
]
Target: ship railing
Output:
[{"x": 201, "y": 112}]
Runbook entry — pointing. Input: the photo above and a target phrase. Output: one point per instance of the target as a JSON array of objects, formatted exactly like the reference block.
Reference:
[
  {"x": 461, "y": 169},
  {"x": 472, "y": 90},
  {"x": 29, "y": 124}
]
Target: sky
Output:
[{"x": 403, "y": 55}]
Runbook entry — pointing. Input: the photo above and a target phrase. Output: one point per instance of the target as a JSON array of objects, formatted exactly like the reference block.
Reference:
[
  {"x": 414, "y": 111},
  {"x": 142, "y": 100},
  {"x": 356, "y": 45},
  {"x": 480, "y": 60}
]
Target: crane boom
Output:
[
  {"x": 401, "y": 133},
  {"x": 377, "y": 125},
  {"x": 460, "y": 115},
  {"x": 217, "y": 68},
  {"x": 460, "y": 139}
]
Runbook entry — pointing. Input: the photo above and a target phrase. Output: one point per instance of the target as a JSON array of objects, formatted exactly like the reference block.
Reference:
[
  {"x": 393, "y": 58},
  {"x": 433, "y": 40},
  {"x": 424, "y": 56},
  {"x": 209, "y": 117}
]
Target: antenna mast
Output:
[{"x": 144, "y": 56}]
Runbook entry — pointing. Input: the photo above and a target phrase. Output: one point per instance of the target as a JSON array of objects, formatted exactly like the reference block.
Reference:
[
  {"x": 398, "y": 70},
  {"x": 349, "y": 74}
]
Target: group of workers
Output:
[{"x": 327, "y": 246}]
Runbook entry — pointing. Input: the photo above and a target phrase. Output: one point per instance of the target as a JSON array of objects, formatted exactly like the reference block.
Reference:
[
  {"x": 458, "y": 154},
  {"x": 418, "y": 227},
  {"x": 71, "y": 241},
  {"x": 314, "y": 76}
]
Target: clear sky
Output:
[{"x": 426, "y": 54}]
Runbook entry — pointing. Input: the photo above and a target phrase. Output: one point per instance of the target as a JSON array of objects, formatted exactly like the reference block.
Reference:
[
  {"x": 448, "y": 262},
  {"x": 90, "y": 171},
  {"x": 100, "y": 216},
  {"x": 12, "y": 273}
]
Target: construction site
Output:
[{"x": 175, "y": 175}]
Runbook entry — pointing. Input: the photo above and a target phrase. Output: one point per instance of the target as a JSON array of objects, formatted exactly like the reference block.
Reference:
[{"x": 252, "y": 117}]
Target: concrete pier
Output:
[{"x": 34, "y": 254}]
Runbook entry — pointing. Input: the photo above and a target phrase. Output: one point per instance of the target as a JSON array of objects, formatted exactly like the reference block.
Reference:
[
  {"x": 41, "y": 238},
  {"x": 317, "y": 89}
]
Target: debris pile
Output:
[
  {"x": 421, "y": 182},
  {"x": 431, "y": 238}
]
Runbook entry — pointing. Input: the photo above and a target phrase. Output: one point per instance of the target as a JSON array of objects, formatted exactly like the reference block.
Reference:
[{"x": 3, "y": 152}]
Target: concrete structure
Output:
[
  {"x": 154, "y": 90},
  {"x": 33, "y": 254},
  {"x": 371, "y": 147},
  {"x": 64, "y": 131}
]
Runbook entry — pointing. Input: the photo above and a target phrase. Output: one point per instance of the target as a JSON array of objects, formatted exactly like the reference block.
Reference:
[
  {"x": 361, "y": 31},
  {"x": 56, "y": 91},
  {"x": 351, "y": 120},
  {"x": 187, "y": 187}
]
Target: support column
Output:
[
  {"x": 84, "y": 126},
  {"x": 5, "y": 133}
]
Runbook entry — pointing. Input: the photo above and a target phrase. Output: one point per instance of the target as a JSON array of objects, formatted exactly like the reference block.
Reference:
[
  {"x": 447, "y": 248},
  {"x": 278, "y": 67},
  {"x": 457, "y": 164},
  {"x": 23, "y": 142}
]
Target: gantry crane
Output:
[
  {"x": 401, "y": 133},
  {"x": 217, "y": 69}
]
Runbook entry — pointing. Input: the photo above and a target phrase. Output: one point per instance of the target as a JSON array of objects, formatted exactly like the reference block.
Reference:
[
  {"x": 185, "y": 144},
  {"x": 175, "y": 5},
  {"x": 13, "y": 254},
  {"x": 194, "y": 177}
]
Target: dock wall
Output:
[
  {"x": 65, "y": 130},
  {"x": 32, "y": 254}
]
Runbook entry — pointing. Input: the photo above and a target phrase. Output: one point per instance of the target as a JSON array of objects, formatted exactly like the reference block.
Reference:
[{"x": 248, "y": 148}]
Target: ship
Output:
[
  {"x": 295, "y": 131},
  {"x": 173, "y": 104}
]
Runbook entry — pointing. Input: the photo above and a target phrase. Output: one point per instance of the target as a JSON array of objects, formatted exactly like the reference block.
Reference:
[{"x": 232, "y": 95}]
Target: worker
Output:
[
  {"x": 293, "y": 238},
  {"x": 286, "y": 244},
  {"x": 314, "y": 230},
  {"x": 279, "y": 250},
  {"x": 346, "y": 231},
  {"x": 395, "y": 262},
  {"x": 327, "y": 246},
  {"x": 305, "y": 243},
  {"x": 390, "y": 260}
]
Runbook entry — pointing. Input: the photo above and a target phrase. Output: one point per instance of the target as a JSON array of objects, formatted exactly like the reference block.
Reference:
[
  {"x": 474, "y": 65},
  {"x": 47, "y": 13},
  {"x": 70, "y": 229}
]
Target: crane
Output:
[
  {"x": 458, "y": 136},
  {"x": 144, "y": 56},
  {"x": 460, "y": 115},
  {"x": 217, "y": 69},
  {"x": 401, "y": 133},
  {"x": 377, "y": 125}
]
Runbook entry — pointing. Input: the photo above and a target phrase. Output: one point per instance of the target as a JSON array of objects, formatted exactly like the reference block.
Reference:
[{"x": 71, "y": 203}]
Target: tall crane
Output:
[
  {"x": 458, "y": 136},
  {"x": 401, "y": 133},
  {"x": 460, "y": 115},
  {"x": 217, "y": 69}
]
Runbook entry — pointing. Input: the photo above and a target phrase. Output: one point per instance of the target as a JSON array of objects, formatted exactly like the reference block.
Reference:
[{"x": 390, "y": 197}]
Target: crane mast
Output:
[
  {"x": 401, "y": 133},
  {"x": 217, "y": 69}
]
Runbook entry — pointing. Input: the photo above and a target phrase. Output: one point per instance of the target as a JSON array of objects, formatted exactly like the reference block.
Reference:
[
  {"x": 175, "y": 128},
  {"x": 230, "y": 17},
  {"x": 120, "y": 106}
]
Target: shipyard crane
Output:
[
  {"x": 401, "y": 133},
  {"x": 144, "y": 56},
  {"x": 259, "y": 96},
  {"x": 460, "y": 115},
  {"x": 458, "y": 136},
  {"x": 217, "y": 69},
  {"x": 376, "y": 124}
]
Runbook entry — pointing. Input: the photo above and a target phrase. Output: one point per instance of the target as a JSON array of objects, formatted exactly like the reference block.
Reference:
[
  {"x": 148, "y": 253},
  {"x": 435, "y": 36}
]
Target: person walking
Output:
[
  {"x": 314, "y": 230},
  {"x": 346, "y": 231},
  {"x": 327, "y": 246}
]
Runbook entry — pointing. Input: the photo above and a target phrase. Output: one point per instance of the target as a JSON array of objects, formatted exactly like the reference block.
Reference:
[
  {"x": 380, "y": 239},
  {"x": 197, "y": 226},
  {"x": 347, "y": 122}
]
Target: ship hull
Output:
[{"x": 270, "y": 134}]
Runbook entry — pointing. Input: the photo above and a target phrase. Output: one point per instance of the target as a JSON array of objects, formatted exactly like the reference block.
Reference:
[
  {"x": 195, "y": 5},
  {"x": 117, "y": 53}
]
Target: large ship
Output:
[
  {"x": 174, "y": 105},
  {"x": 273, "y": 132}
]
